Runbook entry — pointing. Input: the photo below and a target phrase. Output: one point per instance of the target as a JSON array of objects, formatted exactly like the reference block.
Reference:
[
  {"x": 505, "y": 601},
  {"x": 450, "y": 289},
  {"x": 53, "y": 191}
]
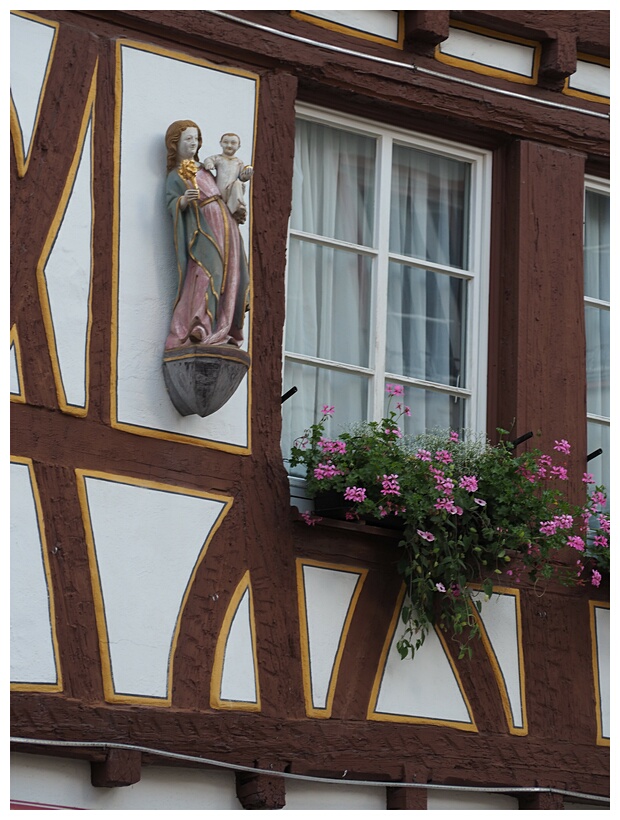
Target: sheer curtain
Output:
[
  {"x": 596, "y": 271},
  {"x": 330, "y": 300},
  {"x": 329, "y": 290},
  {"x": 426, "y": 321}
]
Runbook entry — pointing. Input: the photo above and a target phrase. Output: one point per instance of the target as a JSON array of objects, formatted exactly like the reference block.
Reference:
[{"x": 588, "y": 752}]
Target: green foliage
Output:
[{"x": 470, "y": 512}]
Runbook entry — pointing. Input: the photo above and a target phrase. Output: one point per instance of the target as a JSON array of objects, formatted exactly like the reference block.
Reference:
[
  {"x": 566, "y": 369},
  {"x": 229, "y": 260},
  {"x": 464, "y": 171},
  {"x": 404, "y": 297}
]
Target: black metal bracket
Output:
[
  {"x": 288, "y": 394},
  {"x": 521, "y": 439}
]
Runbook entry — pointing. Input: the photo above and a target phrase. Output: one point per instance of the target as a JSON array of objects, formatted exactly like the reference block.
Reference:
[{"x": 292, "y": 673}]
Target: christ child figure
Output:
[{"x": 230, "y": 175}]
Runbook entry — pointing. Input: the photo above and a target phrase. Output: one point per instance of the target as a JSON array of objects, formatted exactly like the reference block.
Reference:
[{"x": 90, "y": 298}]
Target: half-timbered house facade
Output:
[{"x": 429, "y": 205}]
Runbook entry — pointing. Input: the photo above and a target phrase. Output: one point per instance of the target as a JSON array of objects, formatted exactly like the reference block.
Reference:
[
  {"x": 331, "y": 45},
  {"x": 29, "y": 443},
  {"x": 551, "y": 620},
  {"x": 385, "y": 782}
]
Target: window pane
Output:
[
  {"x": 328, "y": 303},
  {"x": 596, "y": 246},
  {"x": 597, "y": 360},
  {"x": 334, "y": 183},
  {"x": 426, "y": 325},
  {"x": 317, "y": 386},
  {"x": 429, "y": 207},
  {"x": 598, "y": 437},
  {"x": 430, "y": 411}
]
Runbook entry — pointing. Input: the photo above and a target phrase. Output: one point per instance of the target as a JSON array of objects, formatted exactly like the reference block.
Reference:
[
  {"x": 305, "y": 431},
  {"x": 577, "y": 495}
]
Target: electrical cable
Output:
[
  {"x": 510, "y": 790},
  {"x": 418, "y": 69}
]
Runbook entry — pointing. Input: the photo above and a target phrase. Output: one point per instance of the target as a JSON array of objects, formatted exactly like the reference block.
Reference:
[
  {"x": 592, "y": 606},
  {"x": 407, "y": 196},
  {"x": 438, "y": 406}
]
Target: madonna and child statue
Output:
[{"x": 203, "y": 360}]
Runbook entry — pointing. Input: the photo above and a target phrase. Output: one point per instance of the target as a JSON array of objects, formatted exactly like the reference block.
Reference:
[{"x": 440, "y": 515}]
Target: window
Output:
[
  {"x": 596, "y": 269},
  {"x": 387, "y": 276}
]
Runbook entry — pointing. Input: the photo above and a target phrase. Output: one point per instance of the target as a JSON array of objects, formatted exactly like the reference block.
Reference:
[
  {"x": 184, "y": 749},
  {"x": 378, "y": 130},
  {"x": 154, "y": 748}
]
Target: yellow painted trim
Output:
[
  {"x": 106, "y": 662},
  {"x": 585, "y": 95},
  {"x": 16, "y": 130},
  {"x": 216, "y": 701},
  {"x": 497, "y": 671},
  {"x": 487, "y": 70},
  {"x": 355, "y": 32},
  {"x": 88, "y": 117},
  {"x": 20, "y": 397},
  {"x": 311, "y": 709},
  {"x": 600, "y": 740},
  {"x": 42, "y": 687},
  {"x": 372, "y": 714},
  {"x": 136, "y": 429}
]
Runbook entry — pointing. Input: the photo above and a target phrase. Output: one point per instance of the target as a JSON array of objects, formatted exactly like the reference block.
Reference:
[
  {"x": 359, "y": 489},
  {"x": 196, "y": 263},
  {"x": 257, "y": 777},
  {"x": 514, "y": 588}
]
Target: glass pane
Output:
[
  {"x": 426, "y": 325},
  {"x": 596, "y": 246},
  {"x": 334, "y": 183},
  {"x": 429, "y": 410},
  {"x": 429, "y": 215},
  {"x": 328, "y": 303},
  {"x": 597, "y": 360},
  {"x": 316, "y": 386},
  {"x": 598, "y": 437}
]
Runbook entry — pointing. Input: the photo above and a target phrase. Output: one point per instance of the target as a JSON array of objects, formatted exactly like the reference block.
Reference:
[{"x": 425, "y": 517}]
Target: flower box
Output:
[{"x": 468, "y": 510}]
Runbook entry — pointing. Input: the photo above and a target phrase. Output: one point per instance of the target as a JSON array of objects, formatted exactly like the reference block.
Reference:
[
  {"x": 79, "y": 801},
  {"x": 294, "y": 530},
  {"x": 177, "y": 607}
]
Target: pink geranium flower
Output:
[
  {"x": 355, "y": 494},
  {"x": 562, "y": 446},
  {"x": 328, "y": 409},
  {"x": 427, "y": 536},
  {"x": 548, "y": 527},
  {"x": 390, "y": 485},
  {"x": 576, "y": 542}
]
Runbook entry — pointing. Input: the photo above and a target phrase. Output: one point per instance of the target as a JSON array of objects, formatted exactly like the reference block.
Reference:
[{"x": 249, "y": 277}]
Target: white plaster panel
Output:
[
  {"x": 424, "y": 687},
  {"x": 501, "y": 54},
  {"x": 31, "y": 44},
  {"x": 67, "y": 277},
  {"x": 328, "y": 596},
  {"x": 147, "y": 542},
  {"x": 14, "y": 373},
  {"x": 602, "y": 651},
  {"x": 32, "y": 646},
  {"x": 499, "y": 616},
  {"x": 592, "y": 78},
  {"x": 65, "y": 782},
  {"x": 156, "y": 91},
  {"x": 380, "y": 23},
  {"x": 238, "y": 673},
  {"x": 303, "y": 794},
  {"x": 457, "y": 800}
]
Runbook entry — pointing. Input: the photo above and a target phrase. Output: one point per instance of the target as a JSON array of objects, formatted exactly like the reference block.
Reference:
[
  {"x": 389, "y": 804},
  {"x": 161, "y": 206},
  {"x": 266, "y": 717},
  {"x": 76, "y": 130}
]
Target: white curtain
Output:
[
  {"x": 427, "y": 310},
  {"x": 329, "y": 290},
  {"x": 596, "y": 273},
  {"x": 329, "y": 297},
  {"x": 596, "y": 268}
]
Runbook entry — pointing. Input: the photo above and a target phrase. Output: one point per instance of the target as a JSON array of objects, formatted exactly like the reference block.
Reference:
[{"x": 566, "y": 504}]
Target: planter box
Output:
[{"x": 331, "y": 504}]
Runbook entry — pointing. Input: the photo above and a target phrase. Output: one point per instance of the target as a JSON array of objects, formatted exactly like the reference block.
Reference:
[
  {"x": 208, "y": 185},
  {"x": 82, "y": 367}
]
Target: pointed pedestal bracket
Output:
[{"x": 201, "y": 379}]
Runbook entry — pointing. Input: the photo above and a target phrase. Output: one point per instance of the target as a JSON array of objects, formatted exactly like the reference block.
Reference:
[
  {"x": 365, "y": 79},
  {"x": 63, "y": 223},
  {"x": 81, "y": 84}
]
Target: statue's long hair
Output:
[{"x": 173, "y": 134}]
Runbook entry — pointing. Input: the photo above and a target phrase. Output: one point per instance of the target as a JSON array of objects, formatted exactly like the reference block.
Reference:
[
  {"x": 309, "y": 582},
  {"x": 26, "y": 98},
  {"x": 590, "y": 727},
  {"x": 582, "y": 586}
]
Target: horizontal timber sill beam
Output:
[{"x": 271, "y": 774}]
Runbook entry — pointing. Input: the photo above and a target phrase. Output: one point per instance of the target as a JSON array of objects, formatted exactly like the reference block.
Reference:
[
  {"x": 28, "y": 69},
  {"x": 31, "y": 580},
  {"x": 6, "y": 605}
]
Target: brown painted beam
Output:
[
  {"x": 558, "y": 61},
  {"x": 407, "y": 799},
  {"x": 260, "y": 791},
  {"x": 424, "y": 30},
  {"x": 541, "y": 800},
  {"x": 122, "y": 767}
]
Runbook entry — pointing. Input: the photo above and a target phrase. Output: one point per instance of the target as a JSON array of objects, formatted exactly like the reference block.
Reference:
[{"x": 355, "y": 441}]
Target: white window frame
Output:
[
  {"x": 477, "y": 272},
  {"x": 601, "y": 186}
]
